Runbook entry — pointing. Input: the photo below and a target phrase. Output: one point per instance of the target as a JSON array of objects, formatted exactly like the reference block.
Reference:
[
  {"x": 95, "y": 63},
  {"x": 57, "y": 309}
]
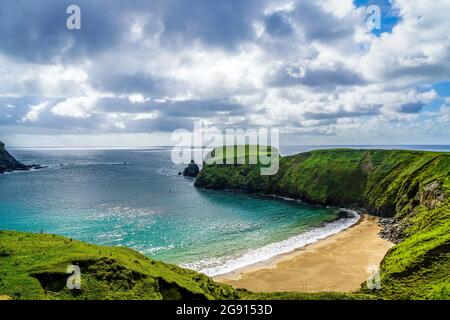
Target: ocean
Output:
[{"x": 134, "y": 198}]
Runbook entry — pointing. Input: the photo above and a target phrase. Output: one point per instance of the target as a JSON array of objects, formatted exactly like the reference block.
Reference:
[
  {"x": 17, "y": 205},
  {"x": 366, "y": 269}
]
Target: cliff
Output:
[
  {"x": 7, "y": 162},
  {"x": 411, "y": 187}
]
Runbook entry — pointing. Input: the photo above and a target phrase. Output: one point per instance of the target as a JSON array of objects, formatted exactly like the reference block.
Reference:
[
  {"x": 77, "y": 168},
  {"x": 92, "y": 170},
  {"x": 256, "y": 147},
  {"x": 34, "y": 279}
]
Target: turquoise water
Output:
[{"x": 134, "y": 198}]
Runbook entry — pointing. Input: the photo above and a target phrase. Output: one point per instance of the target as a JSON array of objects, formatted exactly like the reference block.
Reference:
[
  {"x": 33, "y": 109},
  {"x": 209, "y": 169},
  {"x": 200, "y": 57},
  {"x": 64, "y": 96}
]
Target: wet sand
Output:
[{"x": 338, "y": 263}]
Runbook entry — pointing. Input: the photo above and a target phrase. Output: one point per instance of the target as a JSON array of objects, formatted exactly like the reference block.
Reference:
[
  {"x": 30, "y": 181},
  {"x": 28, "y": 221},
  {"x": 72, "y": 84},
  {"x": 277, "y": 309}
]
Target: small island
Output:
[{"x": 191, "y": 171}]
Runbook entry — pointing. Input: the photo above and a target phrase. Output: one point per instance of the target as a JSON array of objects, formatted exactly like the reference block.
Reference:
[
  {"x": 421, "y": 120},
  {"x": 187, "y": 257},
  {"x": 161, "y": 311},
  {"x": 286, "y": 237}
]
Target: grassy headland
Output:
[
  {"x": 413, "y": 187},
  {"x": 33, "y": 266}
]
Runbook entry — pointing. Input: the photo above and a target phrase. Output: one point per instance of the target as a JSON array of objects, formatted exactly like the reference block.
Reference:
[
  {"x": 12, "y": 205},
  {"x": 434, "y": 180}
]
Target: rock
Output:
[
  {"x": 192, "y": 170},
  {"x": 391, "y": 230},
  {"x": 431, "y": 195},
  {"x": 7, "y": 161}
]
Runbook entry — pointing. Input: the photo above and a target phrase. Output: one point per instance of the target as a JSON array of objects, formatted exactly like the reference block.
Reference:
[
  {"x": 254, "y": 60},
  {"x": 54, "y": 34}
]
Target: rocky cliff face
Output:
[{"x": 7, "y": 161}]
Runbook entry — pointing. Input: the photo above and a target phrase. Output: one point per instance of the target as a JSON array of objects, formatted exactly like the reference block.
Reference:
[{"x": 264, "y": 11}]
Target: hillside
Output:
[
  {"x": 413, "y": 187},
  {"x": 33, "y": 266}
]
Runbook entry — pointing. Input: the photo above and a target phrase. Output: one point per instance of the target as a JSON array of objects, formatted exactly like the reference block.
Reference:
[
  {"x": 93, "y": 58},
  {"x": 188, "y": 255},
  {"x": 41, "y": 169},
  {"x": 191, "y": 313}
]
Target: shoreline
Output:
[
  {"x": 339, "y": 262},
  {"x": 271, "y": 251}
]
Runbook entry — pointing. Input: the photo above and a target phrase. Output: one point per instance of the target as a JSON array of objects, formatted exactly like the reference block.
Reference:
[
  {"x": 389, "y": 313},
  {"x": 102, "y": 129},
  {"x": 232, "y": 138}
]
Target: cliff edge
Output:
[{"x": 7, "y": 161}]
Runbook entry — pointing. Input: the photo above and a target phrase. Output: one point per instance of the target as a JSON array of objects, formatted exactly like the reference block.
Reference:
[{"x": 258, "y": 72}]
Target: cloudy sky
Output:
[{"x": 137, "y": 70}]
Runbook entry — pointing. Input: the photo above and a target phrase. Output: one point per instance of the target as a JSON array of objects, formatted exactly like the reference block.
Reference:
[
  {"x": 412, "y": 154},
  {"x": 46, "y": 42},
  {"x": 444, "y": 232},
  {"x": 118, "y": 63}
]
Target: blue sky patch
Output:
[{"x": 389, "y": 14}]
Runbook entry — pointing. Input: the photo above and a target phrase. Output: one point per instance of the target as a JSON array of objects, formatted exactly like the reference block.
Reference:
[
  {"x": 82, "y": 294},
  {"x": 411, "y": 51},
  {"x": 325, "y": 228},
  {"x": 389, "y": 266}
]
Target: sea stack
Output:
[
  {"x": 7, "y": 161},
  {"x": 192, "y": 170}
]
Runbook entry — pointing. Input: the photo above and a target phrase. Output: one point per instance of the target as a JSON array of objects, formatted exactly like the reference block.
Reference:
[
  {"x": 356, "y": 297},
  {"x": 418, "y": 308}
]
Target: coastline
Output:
[
  {"x": 269, "y": 252},
  {"x": 340, "y": 262}
]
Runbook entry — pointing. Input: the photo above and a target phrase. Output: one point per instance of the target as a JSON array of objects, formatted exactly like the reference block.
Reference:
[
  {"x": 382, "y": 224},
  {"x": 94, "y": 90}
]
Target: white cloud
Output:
[
  {"x": 138, "y": 98},
  {"x": 34, "y": 111},
  {"x": 77, "y": 107}
]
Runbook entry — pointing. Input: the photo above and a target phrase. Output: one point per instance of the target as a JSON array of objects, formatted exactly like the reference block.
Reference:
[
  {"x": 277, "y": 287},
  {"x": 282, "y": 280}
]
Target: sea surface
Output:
[{"x": 134, "y": 198}]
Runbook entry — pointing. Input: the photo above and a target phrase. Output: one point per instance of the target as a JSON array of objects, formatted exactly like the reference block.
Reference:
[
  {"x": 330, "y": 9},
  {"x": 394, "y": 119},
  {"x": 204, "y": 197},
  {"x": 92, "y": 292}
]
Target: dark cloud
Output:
[
  {"x": 375, "y": 110},
  {"x": 317, "y": 78},
  {"x": 164, "y": 124},
  {"x": 277, "y": 25},
  {"x": 37, "y": 31},
  {"x": 220, "y": 23},
  {"x": 435, "y": 71},
  {"x": 185, "y": 108},
  {"x": 134, "y": 83},
  {"x": 412, "y": 107},
  {"x": 197, "y": 108},
  {"x": 318, "y": 24},
  {"x": 123, "y": 105}
]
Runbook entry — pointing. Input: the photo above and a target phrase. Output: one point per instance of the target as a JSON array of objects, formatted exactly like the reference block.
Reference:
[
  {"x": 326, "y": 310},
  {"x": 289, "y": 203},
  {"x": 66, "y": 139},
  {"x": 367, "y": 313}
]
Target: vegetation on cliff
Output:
[
  {"x": 419, "y": 266},
  {"x": 33, "y": 266},
  {"x": 413, "y": 187}
]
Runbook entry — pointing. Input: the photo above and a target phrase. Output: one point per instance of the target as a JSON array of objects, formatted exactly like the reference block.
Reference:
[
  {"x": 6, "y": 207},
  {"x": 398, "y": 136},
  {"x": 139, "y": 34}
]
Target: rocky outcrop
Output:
[
  {"x": 7, "y": 161},
  {"x": 192, "y": 170},
  {"x": 431, "y": 195}
]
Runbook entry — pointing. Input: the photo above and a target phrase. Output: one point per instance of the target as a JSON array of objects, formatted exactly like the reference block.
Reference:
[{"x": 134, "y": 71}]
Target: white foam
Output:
[{"x": 219, "y": 266}]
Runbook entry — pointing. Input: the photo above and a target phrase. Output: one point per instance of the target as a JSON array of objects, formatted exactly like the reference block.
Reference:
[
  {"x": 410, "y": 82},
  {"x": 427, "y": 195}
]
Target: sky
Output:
[{"x": 138, "y": 70}]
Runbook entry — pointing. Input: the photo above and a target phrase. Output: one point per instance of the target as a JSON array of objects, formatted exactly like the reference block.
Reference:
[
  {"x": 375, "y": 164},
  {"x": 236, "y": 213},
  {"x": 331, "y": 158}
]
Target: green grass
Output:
[
  {"x": 33, "y": 266},
  {"x": 241, "y": 154},
  {"x": 419, "y": 267},
  {"x": 246, "y": 295}
]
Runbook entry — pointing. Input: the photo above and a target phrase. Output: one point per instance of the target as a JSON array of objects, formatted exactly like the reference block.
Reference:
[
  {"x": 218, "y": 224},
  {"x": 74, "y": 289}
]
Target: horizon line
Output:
[{"x": 197, "y": 147}]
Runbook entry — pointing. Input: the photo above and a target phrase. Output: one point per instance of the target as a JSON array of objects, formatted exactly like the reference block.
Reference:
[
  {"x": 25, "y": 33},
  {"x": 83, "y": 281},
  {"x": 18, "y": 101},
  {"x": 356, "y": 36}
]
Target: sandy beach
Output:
[{"x": 338, "y": 263}]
